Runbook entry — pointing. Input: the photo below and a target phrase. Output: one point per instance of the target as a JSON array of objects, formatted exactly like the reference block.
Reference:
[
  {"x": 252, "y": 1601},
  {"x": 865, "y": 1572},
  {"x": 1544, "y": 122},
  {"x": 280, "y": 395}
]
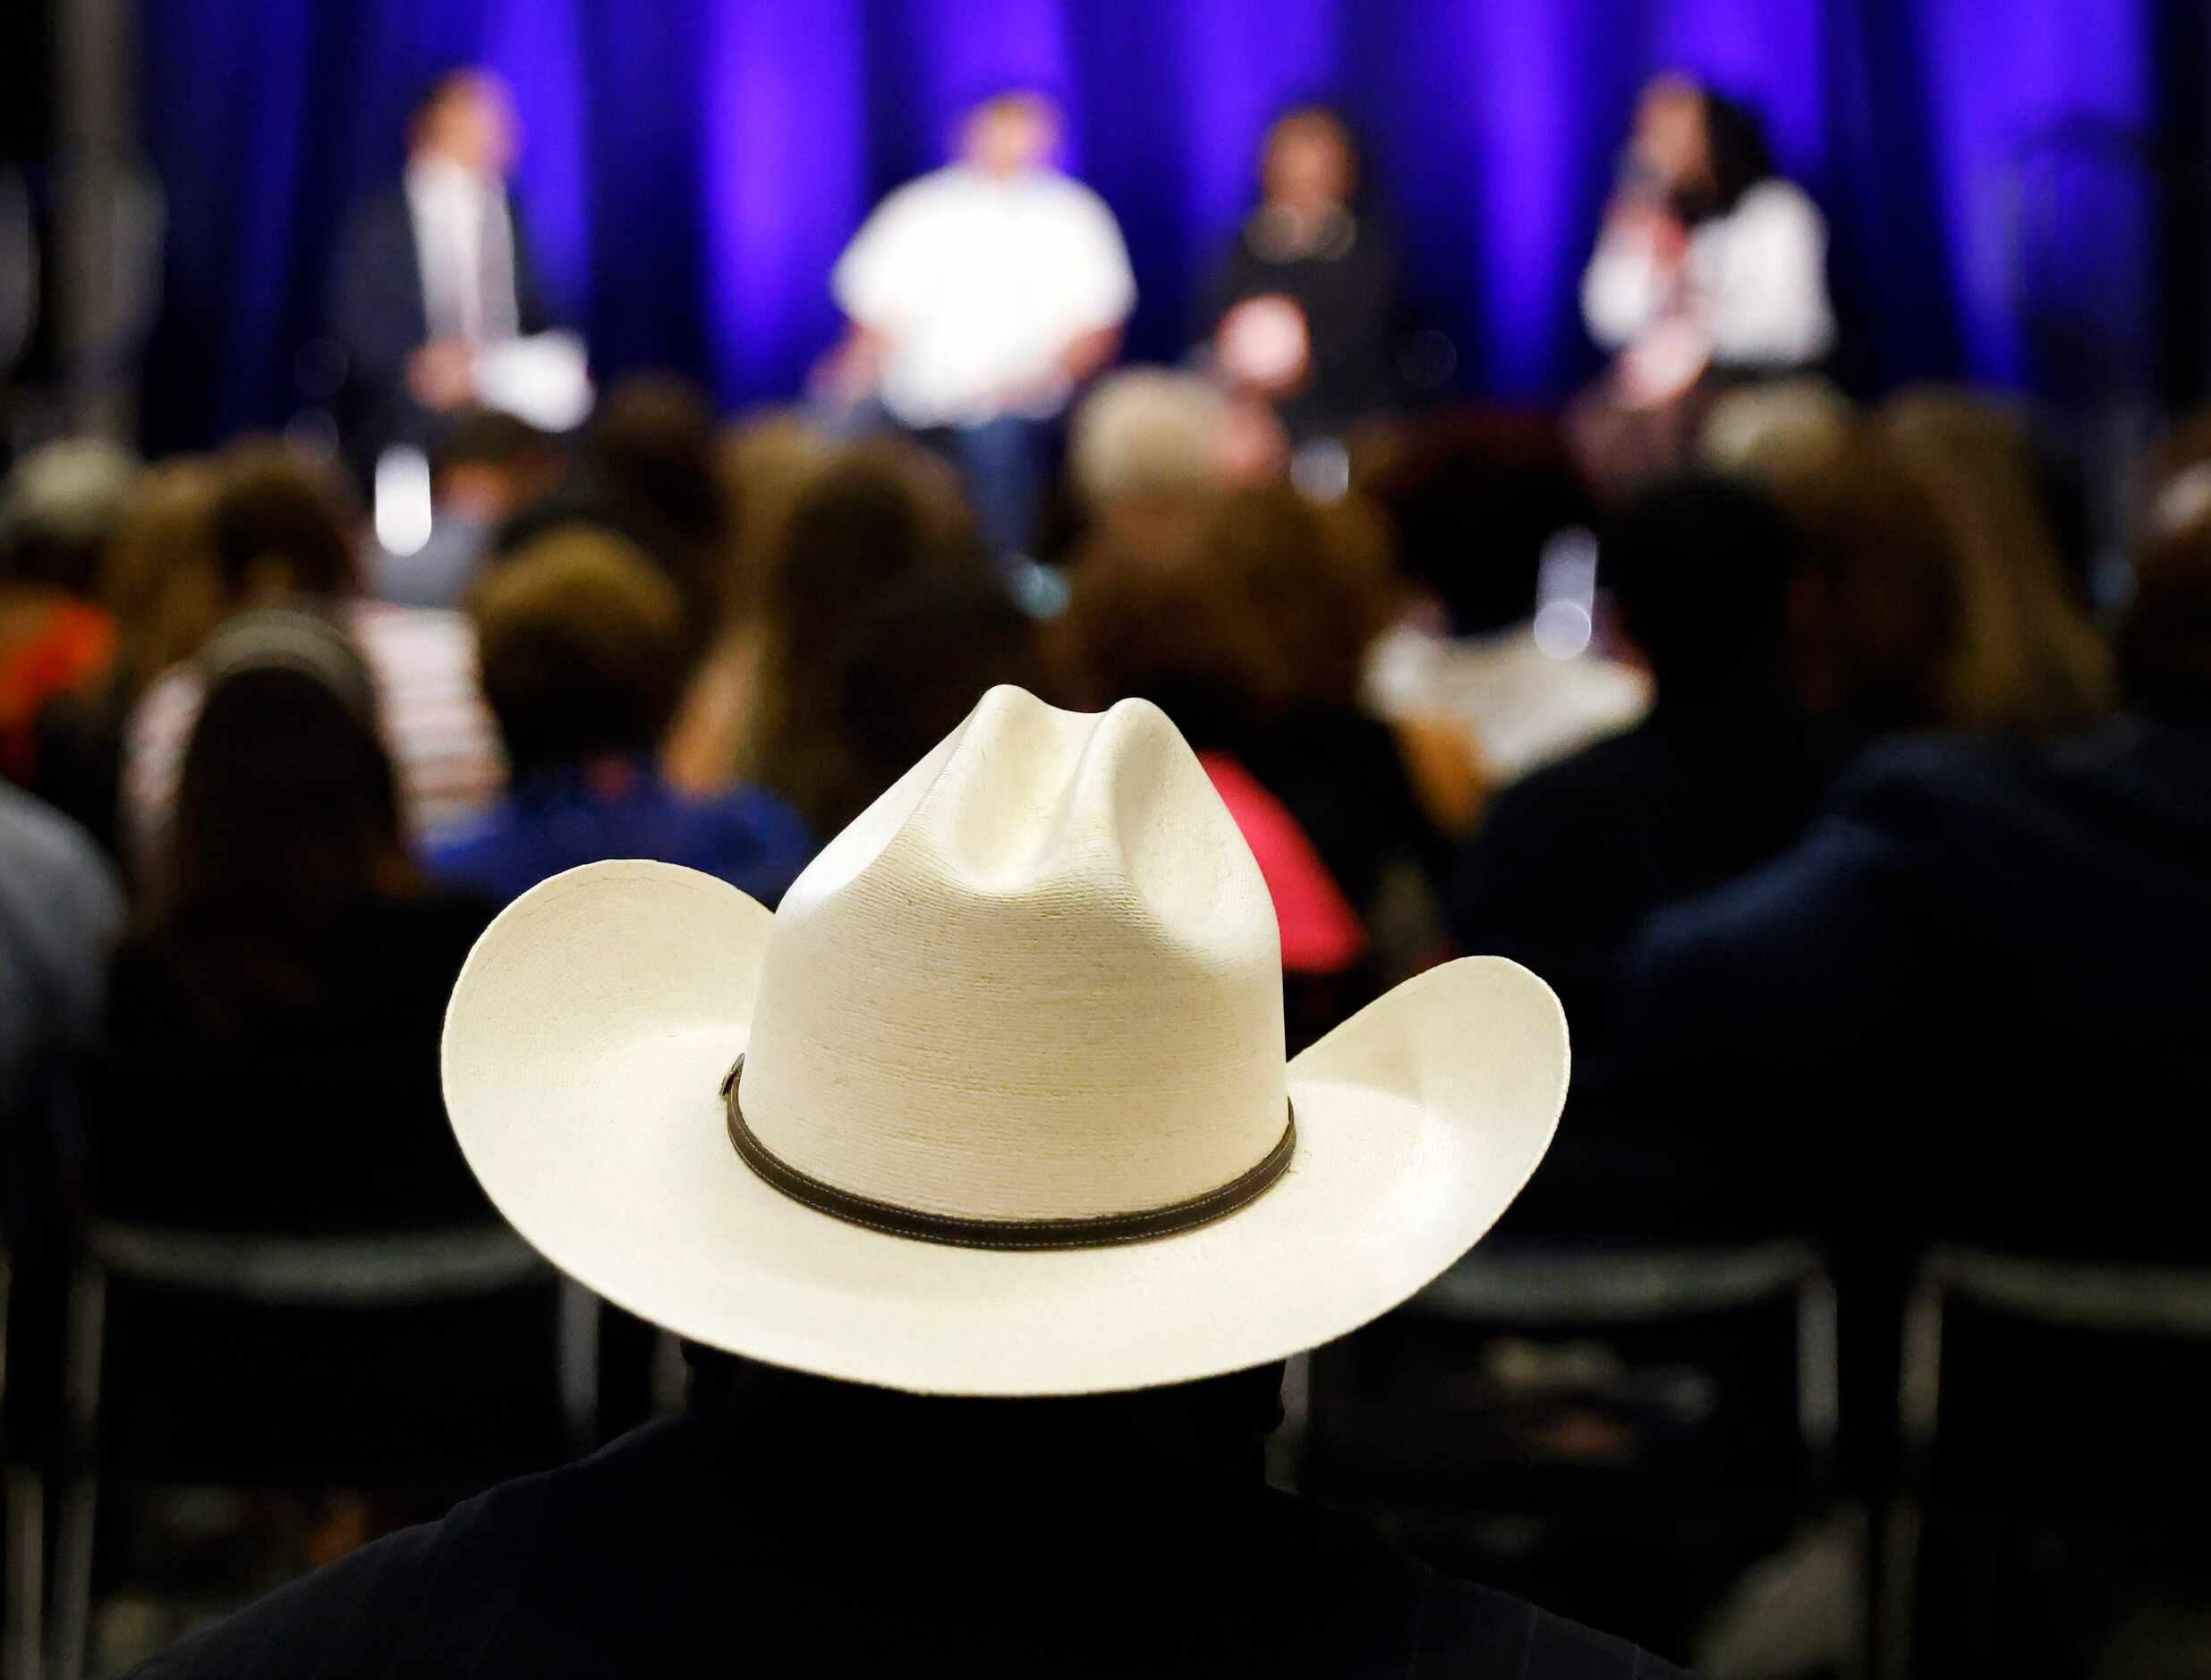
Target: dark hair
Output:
[
  {"x": 919, "y": 658},
  {"x": 1700, "y": 567},
  {"x": 2164, "y": 635},
  {"x": 1475, "y": 501},
  {"x": 580, "y": 642},
  {"x": 489, "y": 437},
  {"x": 883, "y": 514},
  {"x": 287, "y": 818},
  {"x": 435, "y": 89},
  {"x": 279, "y": 526},
  {"x": 1742, "y": 156}
]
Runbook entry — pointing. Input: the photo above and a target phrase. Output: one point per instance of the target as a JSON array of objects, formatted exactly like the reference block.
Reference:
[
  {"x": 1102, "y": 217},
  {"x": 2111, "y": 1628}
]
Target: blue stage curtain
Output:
[{"x": 692, "y": 167}]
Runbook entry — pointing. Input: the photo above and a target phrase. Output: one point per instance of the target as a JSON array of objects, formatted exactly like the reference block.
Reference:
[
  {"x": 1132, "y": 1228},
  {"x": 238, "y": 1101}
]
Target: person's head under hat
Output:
[{"x": 978, "y": 1180}]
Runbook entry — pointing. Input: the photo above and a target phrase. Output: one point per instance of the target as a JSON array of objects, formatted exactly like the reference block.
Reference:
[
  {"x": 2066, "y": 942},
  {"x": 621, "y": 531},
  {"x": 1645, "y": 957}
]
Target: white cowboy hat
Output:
[{"x": 1011, "y": 1114}]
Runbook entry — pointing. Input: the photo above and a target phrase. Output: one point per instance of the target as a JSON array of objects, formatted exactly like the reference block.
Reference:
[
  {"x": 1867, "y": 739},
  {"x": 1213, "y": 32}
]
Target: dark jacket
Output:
[
  {"x": 1974, "y": 1000},
  {"x": 1571, "y": 858},
  {"x": 246, "y": 1089},
  {"x": 379, "y": 318},
  {"x": 844, "y": 1532}
]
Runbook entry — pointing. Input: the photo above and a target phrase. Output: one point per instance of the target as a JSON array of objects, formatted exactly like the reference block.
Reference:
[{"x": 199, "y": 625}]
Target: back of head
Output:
[
  {"x": 1475, "y": 499},
  {"x": 60, "y": 508},
  {"x": 1742, "y": 156},
  {"x": 1144, "y": 431},
  {"x": 487, "y": 443},
  {"x": 580, "y": 642},
  {"x": 883, "y": 515},
  {"x": 161, "y": 578},
  {"x": 286, "y": 812},
  {"x": 1879, "y": 620},
  {"x": 1228, "y": 608},
  {"x": 279, "y": 528},
  {"x": 2028, "y": 658},
  {"x": 766, "y": 465},
  {"x": 1701, "y": 568}
]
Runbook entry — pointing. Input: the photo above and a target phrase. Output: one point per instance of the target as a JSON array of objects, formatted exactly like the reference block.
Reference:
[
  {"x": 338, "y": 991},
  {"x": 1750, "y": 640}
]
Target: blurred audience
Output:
[
  {"x": 580, "y": 644},
  {"x": 160, "y": 580},
  {"x": 488, "y": 468},
  {"x": 59, "y": 510},
  {"x": 1479, "y": 502},
  {"x": 273, "y": 1015},
  {"x": 1721, "y": 775},
  {"x": 764, "y": 465},
  {"x": 1979, "y": 949},
  {"x": 885, "y": 515},
  {"x": 279, "y": 538},
  {"x": 980, "y": 296},
  {"x": 1303, "y": 310},
  {"x": 2027, "y": 659},
  {"x": 1246, "y": 616},
  {"x": 61, "y": 907}
]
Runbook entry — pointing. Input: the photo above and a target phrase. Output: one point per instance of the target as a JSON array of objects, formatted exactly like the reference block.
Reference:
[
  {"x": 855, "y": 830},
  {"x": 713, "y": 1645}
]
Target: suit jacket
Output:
[
  {"x": 847, "y": 1531},
  {"x": 379, "y": 318}
]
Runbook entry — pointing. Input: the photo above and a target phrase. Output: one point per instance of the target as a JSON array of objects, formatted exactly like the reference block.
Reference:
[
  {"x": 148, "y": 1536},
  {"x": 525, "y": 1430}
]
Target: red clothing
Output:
[
  {"x": 73, "y": 644},
  {"x": 1322, "y": 934}
]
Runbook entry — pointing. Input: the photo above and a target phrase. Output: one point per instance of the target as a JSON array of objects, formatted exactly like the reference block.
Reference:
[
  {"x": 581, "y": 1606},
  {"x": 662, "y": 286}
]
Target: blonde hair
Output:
[{"x": 2027, "y": 659}]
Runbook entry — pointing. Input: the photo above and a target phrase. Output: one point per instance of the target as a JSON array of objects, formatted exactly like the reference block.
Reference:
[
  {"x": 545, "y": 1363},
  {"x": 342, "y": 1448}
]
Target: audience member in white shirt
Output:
[
  {"x": 980, "y": 296},
  {"x": 1708, "y": 258}
]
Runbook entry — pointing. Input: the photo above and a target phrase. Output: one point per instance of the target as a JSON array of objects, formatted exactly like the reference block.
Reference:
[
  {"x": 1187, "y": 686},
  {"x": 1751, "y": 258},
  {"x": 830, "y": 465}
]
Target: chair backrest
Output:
[
  {"x": 2036, "y": 1380},
  {"x": 290, "y": 1359},
  {"x": 1694, "y": 1356}
]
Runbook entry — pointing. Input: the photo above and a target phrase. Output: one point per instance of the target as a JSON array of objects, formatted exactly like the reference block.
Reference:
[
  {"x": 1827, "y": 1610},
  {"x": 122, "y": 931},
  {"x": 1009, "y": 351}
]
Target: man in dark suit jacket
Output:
[{"x": 434, "y": 268}]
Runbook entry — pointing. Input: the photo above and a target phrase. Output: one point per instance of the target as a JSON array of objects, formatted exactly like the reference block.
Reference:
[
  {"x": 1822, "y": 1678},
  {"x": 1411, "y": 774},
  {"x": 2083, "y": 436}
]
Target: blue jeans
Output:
[{"x": 1004, "y": 462}]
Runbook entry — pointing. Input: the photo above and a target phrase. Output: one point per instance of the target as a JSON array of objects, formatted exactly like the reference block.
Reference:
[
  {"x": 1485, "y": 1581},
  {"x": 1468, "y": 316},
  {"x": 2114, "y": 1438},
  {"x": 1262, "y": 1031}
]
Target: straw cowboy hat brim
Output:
[{"x": 588, "y": 1038}]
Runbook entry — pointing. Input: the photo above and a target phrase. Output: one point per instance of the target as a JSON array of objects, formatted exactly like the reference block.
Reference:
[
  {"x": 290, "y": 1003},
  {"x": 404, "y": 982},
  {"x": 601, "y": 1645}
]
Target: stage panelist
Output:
[{"x": 980, "y": 296}]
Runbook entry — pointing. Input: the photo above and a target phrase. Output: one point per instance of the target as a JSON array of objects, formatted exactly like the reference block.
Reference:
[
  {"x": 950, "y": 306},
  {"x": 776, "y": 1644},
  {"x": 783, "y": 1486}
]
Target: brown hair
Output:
[
  {"x": 160, "y": 578},
  {"x": 279, "y": 527},
  {"x": 1237, "y": 605},
  {"x": 2026, "y": 656},
  {"x": 580, "y": 640},
  {"x": 1876, "y": 616}
]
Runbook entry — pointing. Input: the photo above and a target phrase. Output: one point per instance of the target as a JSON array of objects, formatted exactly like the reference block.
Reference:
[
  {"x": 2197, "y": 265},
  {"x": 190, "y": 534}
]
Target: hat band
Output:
[{"x": 1096, "y": 1231}]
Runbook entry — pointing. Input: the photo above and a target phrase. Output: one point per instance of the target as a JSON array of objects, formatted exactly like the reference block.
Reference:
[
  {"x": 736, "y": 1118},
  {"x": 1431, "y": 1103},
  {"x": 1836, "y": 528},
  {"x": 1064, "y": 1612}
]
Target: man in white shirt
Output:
[
  {"x": 980, "y": 296},
  {"x": 435, "y": 271}
]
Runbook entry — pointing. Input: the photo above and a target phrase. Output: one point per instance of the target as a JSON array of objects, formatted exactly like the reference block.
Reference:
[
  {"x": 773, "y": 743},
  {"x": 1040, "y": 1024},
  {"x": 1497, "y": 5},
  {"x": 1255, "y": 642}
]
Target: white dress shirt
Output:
[
  {"x": 979, "y": 285},
  {"x": 465, "y": 244},
  {"x": 1753, "y": 284}
]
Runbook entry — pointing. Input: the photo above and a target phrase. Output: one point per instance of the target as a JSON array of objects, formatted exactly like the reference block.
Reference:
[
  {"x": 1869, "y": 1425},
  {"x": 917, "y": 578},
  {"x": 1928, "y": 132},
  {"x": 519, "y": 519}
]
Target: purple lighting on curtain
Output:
[
  {"x": 536, "y": 48},
  {"x": 783, "y": 183},
  {"x": 692, "y": 167}
]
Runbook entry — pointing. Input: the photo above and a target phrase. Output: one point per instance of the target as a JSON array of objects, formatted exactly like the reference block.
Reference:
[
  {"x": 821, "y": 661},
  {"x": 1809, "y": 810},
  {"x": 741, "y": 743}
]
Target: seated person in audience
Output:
[
  {"x": 280, "y": 537},
  {"x": 2029, "y": 660},
  {"x": 764, "y": 466},
  {"x": 486, "y": 469},
  {"x": 1479, "y": 502},
  {"x": 1245, "y": 617},
  {"x": 273, "y": 1016},
  {"x": 884, "y": 514},
  {"x": 159, "y": 579},
  {"x": 60, "y": 909},
  {"x": 580, "y": 640},
  {"x": 1040, "y": 1453},
  {"x": 1719, "y": 777},
  {"x": 1972, "y": 998},
  {"x": 59, "y": 509}
]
